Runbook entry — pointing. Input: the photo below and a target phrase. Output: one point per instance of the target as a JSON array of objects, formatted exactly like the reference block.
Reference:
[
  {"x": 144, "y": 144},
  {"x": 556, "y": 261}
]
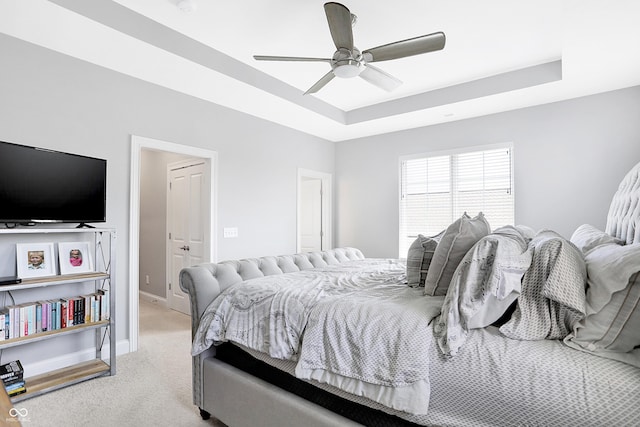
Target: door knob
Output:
[{"x": 185, "y": 248}]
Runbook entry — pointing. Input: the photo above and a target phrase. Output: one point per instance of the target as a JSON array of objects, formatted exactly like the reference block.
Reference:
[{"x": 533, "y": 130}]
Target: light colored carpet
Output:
[{"x": 152, "y": 387}]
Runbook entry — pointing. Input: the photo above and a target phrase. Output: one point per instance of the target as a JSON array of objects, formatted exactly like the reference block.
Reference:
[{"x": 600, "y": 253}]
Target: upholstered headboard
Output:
[{"x": 623, "y": 220}]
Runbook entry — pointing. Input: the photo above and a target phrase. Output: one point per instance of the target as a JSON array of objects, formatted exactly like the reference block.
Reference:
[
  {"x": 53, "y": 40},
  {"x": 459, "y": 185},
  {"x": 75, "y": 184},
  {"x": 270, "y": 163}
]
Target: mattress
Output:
[{"x": 498, "y": 381}]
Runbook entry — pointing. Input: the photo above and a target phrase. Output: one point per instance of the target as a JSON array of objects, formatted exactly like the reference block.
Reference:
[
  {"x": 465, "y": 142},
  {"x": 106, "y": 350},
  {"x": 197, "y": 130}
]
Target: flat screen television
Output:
[{"x": 40, "y": 185}]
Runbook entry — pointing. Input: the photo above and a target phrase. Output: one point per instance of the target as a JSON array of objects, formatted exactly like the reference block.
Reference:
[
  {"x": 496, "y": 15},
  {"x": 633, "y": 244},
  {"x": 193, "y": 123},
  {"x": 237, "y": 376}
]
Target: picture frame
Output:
[
  {"x": 75, "y": 257},
  {"x": 35, "y": 260}
]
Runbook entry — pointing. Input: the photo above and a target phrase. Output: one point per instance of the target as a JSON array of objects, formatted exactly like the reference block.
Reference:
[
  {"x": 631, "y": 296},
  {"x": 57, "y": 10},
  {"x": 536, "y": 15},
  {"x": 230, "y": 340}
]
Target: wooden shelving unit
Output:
[{"x": 103, "y": 278}]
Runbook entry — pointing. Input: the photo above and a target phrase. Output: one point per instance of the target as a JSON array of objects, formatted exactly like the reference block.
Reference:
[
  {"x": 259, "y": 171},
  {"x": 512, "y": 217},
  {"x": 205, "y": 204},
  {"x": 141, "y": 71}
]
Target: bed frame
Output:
[{"x": 217, "y": 385}]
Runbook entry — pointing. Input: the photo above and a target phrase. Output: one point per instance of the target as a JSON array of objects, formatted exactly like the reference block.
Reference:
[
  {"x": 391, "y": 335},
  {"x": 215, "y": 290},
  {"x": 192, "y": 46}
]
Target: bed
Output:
[{"x": 476, "y": 327}]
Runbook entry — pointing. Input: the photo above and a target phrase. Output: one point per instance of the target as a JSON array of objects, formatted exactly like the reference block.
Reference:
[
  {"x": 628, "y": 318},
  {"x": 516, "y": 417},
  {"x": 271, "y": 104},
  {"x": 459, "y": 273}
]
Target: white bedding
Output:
[
  {"x": 270, "y": 315},
  {"x": 540, "y": 382}
]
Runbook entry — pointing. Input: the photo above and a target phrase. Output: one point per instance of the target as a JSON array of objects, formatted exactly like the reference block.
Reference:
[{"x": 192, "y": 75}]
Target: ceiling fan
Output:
[{"x": 348, "y": 61}]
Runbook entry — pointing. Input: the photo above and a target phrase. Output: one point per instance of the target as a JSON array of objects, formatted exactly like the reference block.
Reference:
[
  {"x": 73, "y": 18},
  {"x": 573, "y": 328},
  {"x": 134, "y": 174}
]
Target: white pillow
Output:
[
  {"x": 587, "y": 237},
  {"x": 458, "y": 238},
  {"x": 612, "y": 322}
]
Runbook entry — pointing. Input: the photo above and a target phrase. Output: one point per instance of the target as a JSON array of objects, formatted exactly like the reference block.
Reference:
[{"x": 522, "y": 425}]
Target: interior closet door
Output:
[
  {"x": 187, "y": 200},
  {"x": 311, "y": 215}
]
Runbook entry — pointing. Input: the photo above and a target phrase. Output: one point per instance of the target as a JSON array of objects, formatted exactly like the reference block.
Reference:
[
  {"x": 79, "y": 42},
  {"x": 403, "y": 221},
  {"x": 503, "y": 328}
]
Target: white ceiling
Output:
[{"x": 499, "y": 54}]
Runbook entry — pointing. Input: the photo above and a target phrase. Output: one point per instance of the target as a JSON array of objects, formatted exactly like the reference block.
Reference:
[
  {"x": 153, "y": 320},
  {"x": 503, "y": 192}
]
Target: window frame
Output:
[{"x": 451, "y": 152}]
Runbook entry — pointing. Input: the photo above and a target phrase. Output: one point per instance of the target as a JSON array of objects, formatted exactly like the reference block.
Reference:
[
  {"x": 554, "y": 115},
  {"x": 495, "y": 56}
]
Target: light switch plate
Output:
[{"x": 230, "y": 232}]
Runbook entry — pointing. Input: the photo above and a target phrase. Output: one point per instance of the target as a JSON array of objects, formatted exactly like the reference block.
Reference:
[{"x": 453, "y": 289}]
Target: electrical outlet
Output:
[
  {"x": 230, "y": 232},
  {"x": 146, "y": 278}
]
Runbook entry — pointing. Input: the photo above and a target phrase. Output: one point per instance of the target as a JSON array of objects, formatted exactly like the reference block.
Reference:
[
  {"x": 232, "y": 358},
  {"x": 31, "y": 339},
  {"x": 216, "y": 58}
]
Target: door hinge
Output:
[{"x": 169, "y": 285}]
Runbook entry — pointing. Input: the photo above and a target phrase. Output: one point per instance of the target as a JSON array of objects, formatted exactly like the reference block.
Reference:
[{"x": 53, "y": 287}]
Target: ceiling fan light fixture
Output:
[{"x": 348, "y": 69}]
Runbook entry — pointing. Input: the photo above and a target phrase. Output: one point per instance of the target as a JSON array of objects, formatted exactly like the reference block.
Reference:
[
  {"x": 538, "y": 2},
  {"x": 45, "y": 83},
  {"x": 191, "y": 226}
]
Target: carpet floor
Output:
[{"x": 152, "y": 387}]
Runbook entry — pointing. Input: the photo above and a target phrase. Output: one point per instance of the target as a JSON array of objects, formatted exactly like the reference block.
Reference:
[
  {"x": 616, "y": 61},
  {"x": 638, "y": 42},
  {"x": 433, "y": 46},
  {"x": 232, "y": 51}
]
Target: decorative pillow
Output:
[
  {"x": 552, "y": 298},
  {"x": 612, "y": 323},
  {"x": 419, "y": 258},
  {"x": 587, "y": 237},
  {"x": 458, "y": 238},
  {"x": 484, "y": 286}
]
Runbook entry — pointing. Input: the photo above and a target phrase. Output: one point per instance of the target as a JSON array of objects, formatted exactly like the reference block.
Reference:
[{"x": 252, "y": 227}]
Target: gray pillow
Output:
[
  {"x": 458, "y": 238},
  {"x": 419, "y": 258}
]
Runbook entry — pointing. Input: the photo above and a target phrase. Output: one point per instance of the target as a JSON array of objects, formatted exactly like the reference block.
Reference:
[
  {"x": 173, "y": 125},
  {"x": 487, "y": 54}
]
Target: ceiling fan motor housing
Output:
[{"x": 347, "y": 63}]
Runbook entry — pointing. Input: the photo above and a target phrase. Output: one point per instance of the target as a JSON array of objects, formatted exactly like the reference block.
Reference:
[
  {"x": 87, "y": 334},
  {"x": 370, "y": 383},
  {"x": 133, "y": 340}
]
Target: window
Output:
[{"x": 437, "y": 189}]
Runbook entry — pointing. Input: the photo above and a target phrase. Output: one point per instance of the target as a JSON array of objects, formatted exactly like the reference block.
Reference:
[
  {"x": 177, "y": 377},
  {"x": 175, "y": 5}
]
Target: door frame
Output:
[
  {"x": 327, "y": 210},
  {"x": 192, "y": 161},
  {"x": 139, "y": 143}
]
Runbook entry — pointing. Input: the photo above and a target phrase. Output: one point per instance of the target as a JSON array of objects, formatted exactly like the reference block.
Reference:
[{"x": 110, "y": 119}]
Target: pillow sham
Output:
[
  {"x": 483, "y": 287},
  {"x": 419, "y": 258},
  {"x": 552, "y": 298},
  {"x": 612, "y": 323},
  {"x": 456, "y": 241},
  {"x": 587, "y": 237}
]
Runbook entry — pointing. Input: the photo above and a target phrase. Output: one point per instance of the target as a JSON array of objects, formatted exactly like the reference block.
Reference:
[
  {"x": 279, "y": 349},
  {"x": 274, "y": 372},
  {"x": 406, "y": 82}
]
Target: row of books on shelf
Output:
[
  {"x": 12, "y": 375},
  {"x": 32, "y": 318}
]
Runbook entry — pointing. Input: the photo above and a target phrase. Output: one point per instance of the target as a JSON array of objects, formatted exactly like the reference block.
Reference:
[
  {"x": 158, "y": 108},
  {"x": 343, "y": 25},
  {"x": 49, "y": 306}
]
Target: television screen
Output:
[{"x": 39, "y": 185}]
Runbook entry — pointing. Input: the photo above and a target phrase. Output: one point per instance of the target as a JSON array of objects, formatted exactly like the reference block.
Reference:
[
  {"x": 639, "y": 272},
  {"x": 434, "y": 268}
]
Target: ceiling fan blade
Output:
[
  {"x": 339, "y": 19},
  {"x": 404, "y": 48},
  {"x": 379, "y": 78},
  {"x": 289, "y": 58},
  {"x": 321, "y": 83}
]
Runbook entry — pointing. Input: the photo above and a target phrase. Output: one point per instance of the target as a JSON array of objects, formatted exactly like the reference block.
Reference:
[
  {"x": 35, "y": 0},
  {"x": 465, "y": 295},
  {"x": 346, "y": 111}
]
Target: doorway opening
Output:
[{"x": 140, "y": 146}]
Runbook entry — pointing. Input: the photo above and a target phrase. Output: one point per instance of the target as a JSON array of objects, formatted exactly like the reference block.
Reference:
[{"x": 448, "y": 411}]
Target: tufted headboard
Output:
[
  {"x": 623, "y": 220},
  {"x": 218, "y": 277}
]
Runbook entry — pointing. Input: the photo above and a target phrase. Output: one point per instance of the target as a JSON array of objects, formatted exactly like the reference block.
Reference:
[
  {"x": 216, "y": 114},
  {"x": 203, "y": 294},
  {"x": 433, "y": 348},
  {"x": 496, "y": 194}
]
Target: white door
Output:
[
  {"x": 311, "y": 215},
  {"x": 188, "y": 201}
]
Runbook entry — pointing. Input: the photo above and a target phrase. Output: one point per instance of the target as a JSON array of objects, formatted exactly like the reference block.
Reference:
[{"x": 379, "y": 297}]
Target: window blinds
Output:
[{"x": 437, "y": 190}]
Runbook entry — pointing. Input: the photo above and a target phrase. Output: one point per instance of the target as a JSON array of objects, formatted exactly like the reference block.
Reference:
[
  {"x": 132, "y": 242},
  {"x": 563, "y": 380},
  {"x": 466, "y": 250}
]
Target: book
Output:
[
  {"x": 7, "y": 324},
  {"x": 38, "y": 317},
  {"x": 64, "y": 305},
  {"x": 31, "y": 319},
  {"x": 104, "y": 304},
  {"x": 17, "y": 392},
  {"x": 50, "y": 315},
  {"x": 13, "y": 385},
  {"x": 55, "y": 316},
  {"x": 43, "y": 316},
  {"x": 79, "y": 313},
  {"x": 88, "y": 308},
  {"x": 3, "y": 315},
  {"x": 70, "y": 311},
  {"x": 11, "y": 371}
]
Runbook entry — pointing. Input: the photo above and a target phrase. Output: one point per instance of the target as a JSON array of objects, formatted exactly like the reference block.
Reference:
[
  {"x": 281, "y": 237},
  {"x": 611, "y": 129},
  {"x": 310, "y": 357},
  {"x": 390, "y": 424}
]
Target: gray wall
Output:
[
  {"x": 568, "y": 159},
  {"x": 53, "y": 101}
]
